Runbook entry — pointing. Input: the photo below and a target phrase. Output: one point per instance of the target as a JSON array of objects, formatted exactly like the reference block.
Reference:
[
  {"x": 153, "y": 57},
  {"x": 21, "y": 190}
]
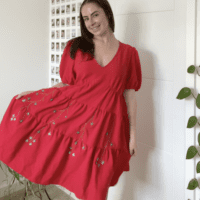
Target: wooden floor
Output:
[{"x": 54, "y": 193}]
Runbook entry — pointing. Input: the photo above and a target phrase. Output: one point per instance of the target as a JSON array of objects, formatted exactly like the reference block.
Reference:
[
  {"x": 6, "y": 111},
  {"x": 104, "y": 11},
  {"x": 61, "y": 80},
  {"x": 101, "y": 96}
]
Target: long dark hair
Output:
[{"x": 85, "y": 42}]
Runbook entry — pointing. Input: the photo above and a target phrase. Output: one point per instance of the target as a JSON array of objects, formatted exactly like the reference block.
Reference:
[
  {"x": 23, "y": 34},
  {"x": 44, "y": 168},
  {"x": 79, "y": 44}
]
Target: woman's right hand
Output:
[{"x": 23, "y": 93}]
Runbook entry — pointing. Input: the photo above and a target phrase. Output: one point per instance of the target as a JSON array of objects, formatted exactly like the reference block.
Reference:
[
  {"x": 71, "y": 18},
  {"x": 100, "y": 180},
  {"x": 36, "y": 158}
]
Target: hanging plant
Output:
[{"x": 192, "y": 150}]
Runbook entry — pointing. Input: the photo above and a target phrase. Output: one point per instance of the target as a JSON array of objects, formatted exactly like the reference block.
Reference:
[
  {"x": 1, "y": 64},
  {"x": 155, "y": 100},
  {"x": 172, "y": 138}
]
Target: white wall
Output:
[
  {"x": 24, "y": 49},
  {"x": 157, "y": 28},
  {"x": 24, "y": 39}
]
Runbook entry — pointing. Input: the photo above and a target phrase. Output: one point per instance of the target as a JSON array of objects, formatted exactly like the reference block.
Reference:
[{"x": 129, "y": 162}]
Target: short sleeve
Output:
[
  {"x": 134, "y": 80},
  {"x": 66, "y": 69}
]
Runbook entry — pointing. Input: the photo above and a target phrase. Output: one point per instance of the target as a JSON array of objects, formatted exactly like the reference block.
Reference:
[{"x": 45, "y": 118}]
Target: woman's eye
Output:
[{"x": 95, "y": 15}]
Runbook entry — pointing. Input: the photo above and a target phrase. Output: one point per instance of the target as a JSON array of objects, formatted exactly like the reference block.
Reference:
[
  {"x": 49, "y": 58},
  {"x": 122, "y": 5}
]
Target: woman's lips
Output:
[{"x": 96, "y": 28}]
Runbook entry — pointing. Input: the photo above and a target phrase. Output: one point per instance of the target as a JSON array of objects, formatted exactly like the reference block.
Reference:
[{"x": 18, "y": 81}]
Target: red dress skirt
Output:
[{"x": 76, "y": 136}]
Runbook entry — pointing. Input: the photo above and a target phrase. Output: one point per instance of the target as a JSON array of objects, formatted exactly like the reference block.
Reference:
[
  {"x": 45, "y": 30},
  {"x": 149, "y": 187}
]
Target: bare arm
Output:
[
  {"x": 130, "y": 98},
  {"x": 28, "y": 92},
  {"x": 60, "y": 85}
]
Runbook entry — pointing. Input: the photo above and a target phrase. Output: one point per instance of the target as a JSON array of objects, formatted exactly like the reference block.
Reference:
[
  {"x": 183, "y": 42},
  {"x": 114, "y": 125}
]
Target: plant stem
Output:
[{"x": 193, "y": 95}]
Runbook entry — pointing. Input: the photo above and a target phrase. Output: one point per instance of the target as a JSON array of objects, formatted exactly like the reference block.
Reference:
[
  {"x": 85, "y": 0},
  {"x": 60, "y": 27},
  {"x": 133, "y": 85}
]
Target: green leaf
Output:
[
  {"x": 198, "y": 101},
  {"x": 193, "y": 184},
  {"x": 191, "y": 69},
  {"x": 184, "y": 92},
  {"x": 191, "y": 152},
  {"x": 199, "y": 138},
  {"x": 16, "y": 175},
  {"x": 30, "y": 182},
  {"x": 10, "y": 170},
  {"x": 198, "y": 167},
  {"x": 192, "y": 122}
]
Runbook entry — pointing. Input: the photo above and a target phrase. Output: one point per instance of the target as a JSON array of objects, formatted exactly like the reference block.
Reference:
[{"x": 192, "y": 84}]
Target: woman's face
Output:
[{"x": 94, "y": 16}]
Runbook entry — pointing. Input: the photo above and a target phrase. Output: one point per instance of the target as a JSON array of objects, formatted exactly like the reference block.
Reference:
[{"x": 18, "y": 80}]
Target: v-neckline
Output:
[{"x": 112, "y": 59}]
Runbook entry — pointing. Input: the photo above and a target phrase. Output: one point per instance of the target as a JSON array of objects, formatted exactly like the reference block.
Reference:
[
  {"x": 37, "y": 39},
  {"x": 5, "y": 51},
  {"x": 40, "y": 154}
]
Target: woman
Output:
[{"x": 76, "y": 134}]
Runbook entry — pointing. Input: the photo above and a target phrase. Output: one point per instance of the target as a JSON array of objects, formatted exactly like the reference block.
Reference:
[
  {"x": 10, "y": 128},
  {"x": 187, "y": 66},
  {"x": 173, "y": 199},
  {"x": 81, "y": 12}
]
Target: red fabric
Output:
[
  {"x": 134, "y": 79},
  {"x": 76, "y": 136}
]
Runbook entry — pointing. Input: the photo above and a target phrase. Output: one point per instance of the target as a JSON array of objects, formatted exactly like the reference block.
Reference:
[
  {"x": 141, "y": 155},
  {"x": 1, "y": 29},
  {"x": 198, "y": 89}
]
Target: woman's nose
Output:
[{"x": 91, "y": 22}]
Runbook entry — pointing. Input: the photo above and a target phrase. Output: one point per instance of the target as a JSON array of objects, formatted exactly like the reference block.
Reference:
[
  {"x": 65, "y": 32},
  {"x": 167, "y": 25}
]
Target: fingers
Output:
[
  {"x": 19, "y": 96},
  {"x": 22, "y": 94},
  {"x": 132, "y": 152}
]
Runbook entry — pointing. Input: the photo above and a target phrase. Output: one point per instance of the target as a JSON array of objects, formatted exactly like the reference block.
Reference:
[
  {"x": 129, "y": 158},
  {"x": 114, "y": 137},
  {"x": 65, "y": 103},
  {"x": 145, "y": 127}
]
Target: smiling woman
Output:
[
  {"x": 96, "y": 20},
  {"x": 77, "y": 135}
]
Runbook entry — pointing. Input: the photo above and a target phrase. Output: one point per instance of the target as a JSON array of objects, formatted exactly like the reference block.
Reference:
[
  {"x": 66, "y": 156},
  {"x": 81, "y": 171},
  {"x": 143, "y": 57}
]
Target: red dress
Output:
[{"x": 76, "y": 136}]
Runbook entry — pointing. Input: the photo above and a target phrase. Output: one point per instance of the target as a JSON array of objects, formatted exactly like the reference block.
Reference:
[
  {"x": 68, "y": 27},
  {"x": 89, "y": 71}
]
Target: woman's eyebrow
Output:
[{"x": 91, "y": 14}]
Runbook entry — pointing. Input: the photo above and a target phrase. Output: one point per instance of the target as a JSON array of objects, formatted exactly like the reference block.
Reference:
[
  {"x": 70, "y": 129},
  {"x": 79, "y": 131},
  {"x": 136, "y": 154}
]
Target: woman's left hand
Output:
[{"x": 133, "y": 146}]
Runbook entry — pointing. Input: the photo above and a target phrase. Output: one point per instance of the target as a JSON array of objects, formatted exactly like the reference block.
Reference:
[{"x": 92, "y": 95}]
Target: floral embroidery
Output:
[
  {"x": 50, "y": 122},
  {"x": 100, "y": 160},
  {"x": 32, "y": 139},
  {"x": 13, "y": 117},
  {"x": 81, "y": 136},
  {"x": 31, "y": 102}
]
